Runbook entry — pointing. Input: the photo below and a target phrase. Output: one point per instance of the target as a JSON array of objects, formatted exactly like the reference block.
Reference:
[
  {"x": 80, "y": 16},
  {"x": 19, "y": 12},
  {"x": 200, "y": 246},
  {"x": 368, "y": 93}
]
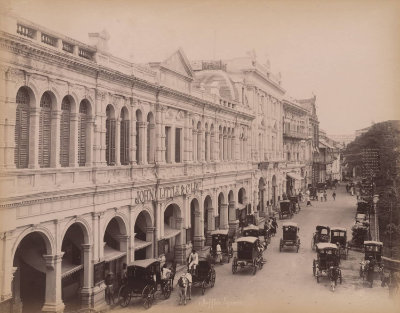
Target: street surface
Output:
[{"x": 286, "y": 281}]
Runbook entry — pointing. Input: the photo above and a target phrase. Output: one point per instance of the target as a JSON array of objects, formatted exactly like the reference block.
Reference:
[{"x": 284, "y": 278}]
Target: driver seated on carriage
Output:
[{"x": 193, "y": 261}]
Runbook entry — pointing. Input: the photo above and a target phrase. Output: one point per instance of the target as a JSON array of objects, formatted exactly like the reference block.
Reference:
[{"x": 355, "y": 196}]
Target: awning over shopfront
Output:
[
  {"x": 170, "y": 232},
  {"x": 140, "y": 244},
  {"x": 295, "y": 176},
  {"x": 67, "y": 268},
  {"x": 112, "y": 254}
]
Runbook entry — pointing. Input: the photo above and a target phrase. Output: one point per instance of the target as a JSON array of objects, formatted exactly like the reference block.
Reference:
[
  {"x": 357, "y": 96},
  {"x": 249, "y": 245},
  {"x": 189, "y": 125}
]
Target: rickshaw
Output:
[
  {"x": 204, "y": 275},
  {"x": 362, "y": 207},
  {"x": 254, "y": 231},
  {"x": 327, "y": 256},
  {"x": 290, "y": 236},
  {"x": 221, "y": 236},
  {"x": 249, "y": 253},
  {"x": 339, "y": 236},
  {"x": 144, "y": 281},
  {"x": 372, "y": 253},
  {"x": 321, "y": 234},
  {"x": 295, "y": 204},
  {"x": 285, "y": 209}
]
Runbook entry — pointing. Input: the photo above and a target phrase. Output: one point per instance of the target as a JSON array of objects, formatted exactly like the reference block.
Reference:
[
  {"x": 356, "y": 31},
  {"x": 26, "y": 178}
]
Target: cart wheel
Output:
[
  {"x": 124, "y": 296},
  {"x": 313, "y": 267},
  {"x": 147, "y": 296},
  {"x": 213, "y": 276},
  {"x": 167, "y": 290},
  {"x": 203, "y": 287}
]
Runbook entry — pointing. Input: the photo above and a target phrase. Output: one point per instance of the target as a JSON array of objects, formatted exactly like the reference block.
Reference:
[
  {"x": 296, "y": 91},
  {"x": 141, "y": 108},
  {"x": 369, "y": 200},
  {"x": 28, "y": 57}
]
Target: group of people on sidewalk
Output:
[{"x": 322, "y": 195}]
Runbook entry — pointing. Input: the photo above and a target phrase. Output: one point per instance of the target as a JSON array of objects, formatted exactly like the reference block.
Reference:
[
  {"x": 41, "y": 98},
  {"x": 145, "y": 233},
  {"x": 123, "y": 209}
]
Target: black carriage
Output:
[
  {"x": 290, "y": 236},
  {"x": 285, "y": 209},
  {"x": 339, "y": 237},
  {"x": 373, "y": 250},
  {"x": 321, "y": 234},
  {"x": 361, "y": 218},
  {"x": 362, "y": 207},
  {"x": 221, "y": 236},
  {"x": 144, "y": 281},
  {"x": 204, "y": 276},
  {"x": 359, "y": 234},
  {"x": 249, "y": 253},
  {"x": 260, "y": 233},
  {"x": 295, "y": 204},
  {"x": 327, "y": 256}
]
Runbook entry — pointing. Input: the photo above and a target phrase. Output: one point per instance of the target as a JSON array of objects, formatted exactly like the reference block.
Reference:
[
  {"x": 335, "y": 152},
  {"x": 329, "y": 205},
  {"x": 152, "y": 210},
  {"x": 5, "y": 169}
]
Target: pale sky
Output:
[{"x": 345, "y": 52}]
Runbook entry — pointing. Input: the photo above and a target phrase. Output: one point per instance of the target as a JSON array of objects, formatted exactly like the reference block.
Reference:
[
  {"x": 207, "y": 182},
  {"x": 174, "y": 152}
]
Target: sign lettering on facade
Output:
[{"x": 165, "y": 192}]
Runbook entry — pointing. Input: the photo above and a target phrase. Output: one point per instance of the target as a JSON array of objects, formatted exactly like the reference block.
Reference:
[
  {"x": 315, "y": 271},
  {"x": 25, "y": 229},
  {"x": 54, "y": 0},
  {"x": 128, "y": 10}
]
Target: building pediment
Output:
[{"x": 179, "y": 64}]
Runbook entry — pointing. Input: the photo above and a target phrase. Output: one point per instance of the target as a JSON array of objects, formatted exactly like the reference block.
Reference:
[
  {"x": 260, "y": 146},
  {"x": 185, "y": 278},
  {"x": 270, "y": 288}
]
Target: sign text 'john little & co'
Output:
[{"x": 165, "y": 192}]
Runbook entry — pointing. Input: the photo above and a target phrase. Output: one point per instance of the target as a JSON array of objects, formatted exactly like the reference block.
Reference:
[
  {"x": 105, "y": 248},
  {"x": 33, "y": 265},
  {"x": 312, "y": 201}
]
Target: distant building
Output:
[
  {"x": 343, "y": 139},
  {"x": 361, "y": 131}
]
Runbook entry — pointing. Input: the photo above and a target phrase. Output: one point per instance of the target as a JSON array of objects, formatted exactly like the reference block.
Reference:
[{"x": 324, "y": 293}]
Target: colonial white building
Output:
[{"x": 104, "y": 161}]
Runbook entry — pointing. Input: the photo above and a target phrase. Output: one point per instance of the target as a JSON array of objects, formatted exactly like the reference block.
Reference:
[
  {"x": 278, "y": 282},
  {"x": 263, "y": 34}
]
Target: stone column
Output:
[
  {"x": 6, "y": 268},
  {"x": 86, "y": 291},
  {"x": 233, "y": 222},
  {"x": 117, "y": 141},
  {"x": 200, "y": 145},
  {"x": 124, "y": 246},
  {"x": 53, "y": 301},
  {"x": 132, "y": 133},
  {"x": 89, "y": 141},
  {"x": 229, "y": 149},
  {"x": 142, "y": 142},
  {"x": 180, "y": 245},
  {"x": 220, "y": 147},
  {"x": 225, "y": 148},
  {"x": 55, "y": 139},
  {"x": 186, "y": 139},
  {"x": 210, "y": 225},
  {"x": 198, "y": 239},
  {"x": 213, "y": 147},
  {"x": 223, "y": 219},
  {"x": 208, "y": 145},
  {"x": 194, "y": 134},
  {"x": 150, "y": 237},
  {"x": 34, "y": 138}
]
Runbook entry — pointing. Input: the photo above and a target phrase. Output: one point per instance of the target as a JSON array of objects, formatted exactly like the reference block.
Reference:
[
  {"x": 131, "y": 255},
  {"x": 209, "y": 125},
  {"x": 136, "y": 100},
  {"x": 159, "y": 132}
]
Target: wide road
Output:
[{"x": 286, "y": 281}]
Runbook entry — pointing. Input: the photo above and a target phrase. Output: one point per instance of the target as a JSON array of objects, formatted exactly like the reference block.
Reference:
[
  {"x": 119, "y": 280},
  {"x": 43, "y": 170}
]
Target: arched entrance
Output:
[
  {"x": 115, "y": 247},
  {"x": 274, "y": 186},
  {"x": 29, "y": 284},
  {"x": 195, "y": 231},
  {"x": 143, "y": 236},
  {"x": 172, "y": 230},
  {"x": 72, "y": 269}
]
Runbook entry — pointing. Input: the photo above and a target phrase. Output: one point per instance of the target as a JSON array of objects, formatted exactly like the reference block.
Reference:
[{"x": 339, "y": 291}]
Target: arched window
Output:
[
  {"x": 150, "y": 138},
  {"x": 45, "y": 130},
  {"x": 21, "y": 152},
  {"x": 138, "y": 141},
  {"x": 124, "y": 146},
  {"x": 65, "y": 132},
  {"x": 82, "y": 129},
  {"x": 110, "y": 136}
]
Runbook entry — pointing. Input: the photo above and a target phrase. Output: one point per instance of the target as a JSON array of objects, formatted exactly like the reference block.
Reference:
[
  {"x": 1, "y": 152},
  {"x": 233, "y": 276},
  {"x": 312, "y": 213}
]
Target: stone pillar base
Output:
[
  {"x": 233, "y": 228},
  {"x": 98, "y": 298},
  {"x": 53, "y": 307},
  {"x": 208, "y": 238},
  {"x": 86, "y": 298},
  {"x": 182, "y": 252},
  {"x": 198, "y": 243}
]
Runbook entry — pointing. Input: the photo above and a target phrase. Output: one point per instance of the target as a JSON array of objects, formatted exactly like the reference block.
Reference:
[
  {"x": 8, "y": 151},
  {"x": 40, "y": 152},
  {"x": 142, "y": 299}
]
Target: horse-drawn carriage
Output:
[
  {"x": 327, "y": 262},
  {"x": 295, "y": 204},
  {"x": 221, "y": 236},
  {"x": 204, "y": 275},
  {"x": 285, "y": 209},
  {"x": 290, "y": 236},
  {"x": 321, "y": 234},
  {"x": 362, "y": 207},
  {"x": 339, "y": 237},
  {"x": 372, "y": 257},
  {"x": 260, "y": 233},
  {"x": 249, "y": 253},
  {"x": 144, "y": 281}
]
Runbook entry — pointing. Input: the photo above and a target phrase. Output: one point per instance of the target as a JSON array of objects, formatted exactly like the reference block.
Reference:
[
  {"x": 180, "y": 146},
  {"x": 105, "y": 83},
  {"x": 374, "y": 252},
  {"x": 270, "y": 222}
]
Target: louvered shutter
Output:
[
  {"x": 65, "y": 132},
  {"x": 149, "y": 143},
  {"x": 137, "y": 143},
  {"x": 45, "y": 131},
  {"x": 112, "y": 142},
  {"x": 124, "y": 142},
  {"x": 82, "y": 134},
  {"x": 21, "y": 152},
  {"x": 108, "y": 141}
]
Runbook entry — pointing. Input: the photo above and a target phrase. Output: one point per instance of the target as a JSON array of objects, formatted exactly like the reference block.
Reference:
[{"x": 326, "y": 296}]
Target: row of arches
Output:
[{"x": 53, "y": 135}]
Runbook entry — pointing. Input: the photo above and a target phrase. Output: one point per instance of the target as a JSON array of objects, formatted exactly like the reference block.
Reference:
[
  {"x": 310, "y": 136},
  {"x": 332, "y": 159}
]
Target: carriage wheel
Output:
[
  {"x": 147, "y": 296},
  {"x": 203, "y": 287},
  {"x": 167, "y": 289},
  {"x": 124, "y": 296},
  {"x": 254, "y": 267},
  {"x": 313, "y": 267},
  {"x": 234, "y": 266}
]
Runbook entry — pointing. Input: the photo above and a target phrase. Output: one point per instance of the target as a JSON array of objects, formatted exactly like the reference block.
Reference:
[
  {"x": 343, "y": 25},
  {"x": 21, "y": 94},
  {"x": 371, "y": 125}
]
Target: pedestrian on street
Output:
[
  {"x": 325, "y": 196},
  {"x": 334, "y": 195},
  {"x": 308, "y": 200},
  {"x": 321, "y": 196}
]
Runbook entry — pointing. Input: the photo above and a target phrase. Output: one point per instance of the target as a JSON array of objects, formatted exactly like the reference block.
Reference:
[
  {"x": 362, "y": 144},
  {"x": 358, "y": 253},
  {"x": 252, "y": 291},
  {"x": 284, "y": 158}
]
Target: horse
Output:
[
  {"x": 183, "y": 284},
  {"x": 333, "y": 274},
  {"x": 364, "y": 265}
]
